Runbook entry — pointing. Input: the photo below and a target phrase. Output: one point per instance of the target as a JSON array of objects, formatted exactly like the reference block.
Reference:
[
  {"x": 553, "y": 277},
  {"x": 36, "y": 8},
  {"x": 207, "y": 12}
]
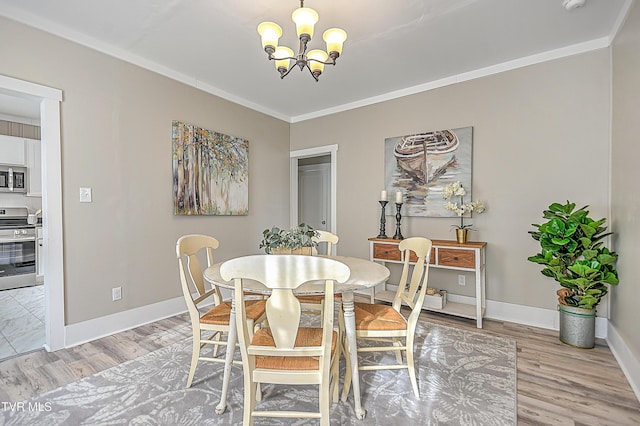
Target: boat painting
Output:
[
  {"x": 422, "y": 164},
  {"x": 426, "y": 155}
]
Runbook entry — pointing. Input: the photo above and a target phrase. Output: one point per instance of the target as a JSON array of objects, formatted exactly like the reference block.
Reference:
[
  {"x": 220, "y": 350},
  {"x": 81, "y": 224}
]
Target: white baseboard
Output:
[
  {"x": 629, "y": 362},
  {"x": 96, "y": 328},
  {"x": 536, "y": 317}
]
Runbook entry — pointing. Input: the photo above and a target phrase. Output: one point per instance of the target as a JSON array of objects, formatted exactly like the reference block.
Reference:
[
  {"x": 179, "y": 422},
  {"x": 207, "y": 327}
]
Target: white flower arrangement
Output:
[{"x": 457, "y": 190}]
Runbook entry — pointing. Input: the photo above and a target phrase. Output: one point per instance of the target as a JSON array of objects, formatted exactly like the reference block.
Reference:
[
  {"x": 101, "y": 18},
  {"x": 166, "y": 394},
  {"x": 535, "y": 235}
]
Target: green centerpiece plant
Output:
[{"x": 296, "y": 240}]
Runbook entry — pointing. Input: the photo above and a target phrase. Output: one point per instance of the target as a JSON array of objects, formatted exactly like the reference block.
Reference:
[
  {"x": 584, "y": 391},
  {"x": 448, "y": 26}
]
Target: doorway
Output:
[
  {"x": 48, "y": 100},
  {"x": 22, "y": 303},
  {"x": 314, "y": 192},
  {"x": 313, "y": 187}
]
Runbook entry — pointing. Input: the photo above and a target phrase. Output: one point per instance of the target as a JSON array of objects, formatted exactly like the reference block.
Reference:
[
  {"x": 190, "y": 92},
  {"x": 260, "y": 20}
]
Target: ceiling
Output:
[{"x": 394, "y": 48}]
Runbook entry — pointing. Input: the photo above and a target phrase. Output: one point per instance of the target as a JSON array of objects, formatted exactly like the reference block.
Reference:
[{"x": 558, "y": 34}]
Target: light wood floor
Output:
[{"x": 557, "y": 384}]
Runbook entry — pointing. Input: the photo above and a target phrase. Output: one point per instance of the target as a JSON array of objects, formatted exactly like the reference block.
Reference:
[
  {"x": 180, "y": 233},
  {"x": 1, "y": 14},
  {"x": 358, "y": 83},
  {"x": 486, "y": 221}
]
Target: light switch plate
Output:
[{"x": 85, "y": 195}]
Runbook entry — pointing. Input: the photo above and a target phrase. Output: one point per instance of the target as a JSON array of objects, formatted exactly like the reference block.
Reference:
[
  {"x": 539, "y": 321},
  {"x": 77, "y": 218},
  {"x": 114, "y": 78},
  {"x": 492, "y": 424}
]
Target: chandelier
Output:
[{"x": 314, "y": 60}]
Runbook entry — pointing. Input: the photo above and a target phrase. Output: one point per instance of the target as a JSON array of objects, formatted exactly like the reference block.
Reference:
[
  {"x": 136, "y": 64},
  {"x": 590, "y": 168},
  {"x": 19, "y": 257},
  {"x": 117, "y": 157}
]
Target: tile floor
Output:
[{"x": 21, "y": 320}]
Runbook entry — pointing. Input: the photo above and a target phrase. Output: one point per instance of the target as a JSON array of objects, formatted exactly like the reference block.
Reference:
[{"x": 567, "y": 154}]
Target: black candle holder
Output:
[
  {"x": 398, "y": 235},
  {"x": 383, "y": 219}
]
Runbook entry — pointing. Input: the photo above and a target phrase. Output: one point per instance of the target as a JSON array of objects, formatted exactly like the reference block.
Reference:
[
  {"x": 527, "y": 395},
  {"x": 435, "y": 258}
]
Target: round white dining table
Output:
[{"x": 364, "y": 275}]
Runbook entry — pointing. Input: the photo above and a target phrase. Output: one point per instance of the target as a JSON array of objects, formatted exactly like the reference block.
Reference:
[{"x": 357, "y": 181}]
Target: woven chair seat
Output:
[
  {"x": 306, "y": 337},
  {"x": 318, "y": 298},
  {"x": 378, "y": 317},
  {"x": 219, "y": 314},
  {"x": 311, "y": 299}
]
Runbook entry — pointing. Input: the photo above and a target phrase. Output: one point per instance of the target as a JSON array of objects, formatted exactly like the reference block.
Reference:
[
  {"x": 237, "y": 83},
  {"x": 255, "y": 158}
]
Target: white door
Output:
[{"x": 314, "y": 196}]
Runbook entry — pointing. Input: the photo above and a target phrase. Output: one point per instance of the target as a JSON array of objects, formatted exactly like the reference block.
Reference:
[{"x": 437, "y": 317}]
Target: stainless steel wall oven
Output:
[{"x": 17, "y": 249}]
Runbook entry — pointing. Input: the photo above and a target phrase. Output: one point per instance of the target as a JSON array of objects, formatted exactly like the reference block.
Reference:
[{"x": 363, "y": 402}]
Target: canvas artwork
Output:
[
  {"x": 210, "y": 172},
  {"x": 421, "y": 165}
]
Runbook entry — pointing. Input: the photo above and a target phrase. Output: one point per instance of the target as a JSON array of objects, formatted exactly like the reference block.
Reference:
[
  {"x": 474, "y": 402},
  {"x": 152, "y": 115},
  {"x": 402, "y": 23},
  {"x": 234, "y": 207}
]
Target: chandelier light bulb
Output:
[
  {"x": 320, "y": 57},
  {"x": 270, "y": 33},
  {"x": 305, "y": 19},
  {"x": 334, "y": 37},
  {"x": 282, "y": 58}
]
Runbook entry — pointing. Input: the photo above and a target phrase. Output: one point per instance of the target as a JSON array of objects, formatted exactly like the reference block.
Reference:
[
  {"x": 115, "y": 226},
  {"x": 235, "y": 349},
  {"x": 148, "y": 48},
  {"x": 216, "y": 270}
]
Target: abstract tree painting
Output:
[{"x": 210, "y": 172}]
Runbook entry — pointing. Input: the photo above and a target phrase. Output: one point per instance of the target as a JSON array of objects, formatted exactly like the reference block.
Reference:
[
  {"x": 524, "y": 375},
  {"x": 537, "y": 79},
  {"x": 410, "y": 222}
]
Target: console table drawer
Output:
[
  {"x": 392, "y": 252},
  {"x": 387, "y": 252},
  {"x": 458, "y": 258}
]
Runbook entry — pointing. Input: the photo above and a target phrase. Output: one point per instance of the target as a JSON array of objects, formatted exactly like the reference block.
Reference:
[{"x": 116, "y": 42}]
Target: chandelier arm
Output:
[
  {"x": 312, "y": 74},
  {"x": 273, "y": 58},
  {"x": 322, "y": 62},
  {"x": 283, "y": 75}
]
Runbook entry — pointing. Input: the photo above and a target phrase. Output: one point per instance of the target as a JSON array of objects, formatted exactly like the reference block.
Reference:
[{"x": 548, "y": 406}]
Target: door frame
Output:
[
  {"x": 294, "y": 156},
  {"x": 325, "y": 170},
  {"x": 49, "y": 99}
]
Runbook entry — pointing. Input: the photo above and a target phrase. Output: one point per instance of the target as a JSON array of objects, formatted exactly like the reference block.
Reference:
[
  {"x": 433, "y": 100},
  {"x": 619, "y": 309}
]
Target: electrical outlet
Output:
[
  {"x": 461, "y": 280},
  {"x": 116, "y": 293}
]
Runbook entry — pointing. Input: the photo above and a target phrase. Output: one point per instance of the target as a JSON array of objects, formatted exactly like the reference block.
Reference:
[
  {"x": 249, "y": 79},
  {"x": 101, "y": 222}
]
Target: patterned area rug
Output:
[{"x": 465, "y": 378}]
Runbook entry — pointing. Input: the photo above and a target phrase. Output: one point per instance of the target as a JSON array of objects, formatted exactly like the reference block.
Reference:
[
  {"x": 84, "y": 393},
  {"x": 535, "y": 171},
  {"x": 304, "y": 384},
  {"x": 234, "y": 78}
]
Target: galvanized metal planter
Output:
[{"x": 577, "y": 326}]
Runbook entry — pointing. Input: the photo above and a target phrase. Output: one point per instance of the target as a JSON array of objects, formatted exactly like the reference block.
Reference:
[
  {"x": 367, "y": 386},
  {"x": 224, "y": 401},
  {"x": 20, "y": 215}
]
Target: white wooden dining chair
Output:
[
  {"x": 212, "y": 326},
  {"x": 384, "y": 323},
  {"x": 327, "y": 239},
  {"x": 286, "y": 352},
  {"x": 314, "y": 303}
]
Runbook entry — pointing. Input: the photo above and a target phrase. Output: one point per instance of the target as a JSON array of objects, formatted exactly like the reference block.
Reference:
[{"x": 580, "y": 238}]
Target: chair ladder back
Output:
[
  {"x": 325, "y": 237},
  {"x": 283, "y": 314},
  {"x": 327, "y": 317},
  {"x": 284, "y": 271},
  {"x": 244, "y": 339},
  {"x": 187, "y": 249},
  {"x": 421, "y": 283},
  {"x": 186, "y": 291},
  {"x": 420, "y": 299},
  {"x": 407, "y": 293}
]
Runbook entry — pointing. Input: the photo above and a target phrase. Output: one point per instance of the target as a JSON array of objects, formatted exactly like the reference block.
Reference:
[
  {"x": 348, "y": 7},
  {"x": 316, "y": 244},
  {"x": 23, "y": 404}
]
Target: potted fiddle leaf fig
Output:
[
  {"x": 573, "y": 254},
  {"x": 296, "y": 240}
]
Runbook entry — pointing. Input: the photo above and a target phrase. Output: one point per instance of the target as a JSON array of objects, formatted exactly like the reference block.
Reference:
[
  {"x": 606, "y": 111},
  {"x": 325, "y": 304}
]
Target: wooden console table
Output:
[{"x": 468, "y": 257}]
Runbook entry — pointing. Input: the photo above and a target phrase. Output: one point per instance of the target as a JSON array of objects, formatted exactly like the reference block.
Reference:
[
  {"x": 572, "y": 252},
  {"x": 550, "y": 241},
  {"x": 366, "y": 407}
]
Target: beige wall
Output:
[
  {"x": 625, "y": 200},
  {"x": 541, "y": 135},
  {"x": 116, "y": 139}
]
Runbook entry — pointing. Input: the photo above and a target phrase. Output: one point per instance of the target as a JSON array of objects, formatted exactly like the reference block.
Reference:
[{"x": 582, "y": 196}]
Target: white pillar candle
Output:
[
  {"x": 383, "y": 196},
  {"x": 399, "y": 197}
]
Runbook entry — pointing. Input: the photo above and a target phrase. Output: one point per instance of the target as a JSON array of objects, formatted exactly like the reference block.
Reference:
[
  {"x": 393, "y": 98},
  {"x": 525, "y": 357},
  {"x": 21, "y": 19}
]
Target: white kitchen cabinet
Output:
[
  {"x": 39, "y": 259},
  {"x": 34, "y": 166},
  {"x": 12, "y": 150}
]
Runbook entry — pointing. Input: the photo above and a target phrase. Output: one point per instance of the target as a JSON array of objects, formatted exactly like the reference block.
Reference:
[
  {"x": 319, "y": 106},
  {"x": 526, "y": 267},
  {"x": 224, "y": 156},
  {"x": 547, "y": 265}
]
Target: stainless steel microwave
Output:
[{"x": 13, "y": 179}]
